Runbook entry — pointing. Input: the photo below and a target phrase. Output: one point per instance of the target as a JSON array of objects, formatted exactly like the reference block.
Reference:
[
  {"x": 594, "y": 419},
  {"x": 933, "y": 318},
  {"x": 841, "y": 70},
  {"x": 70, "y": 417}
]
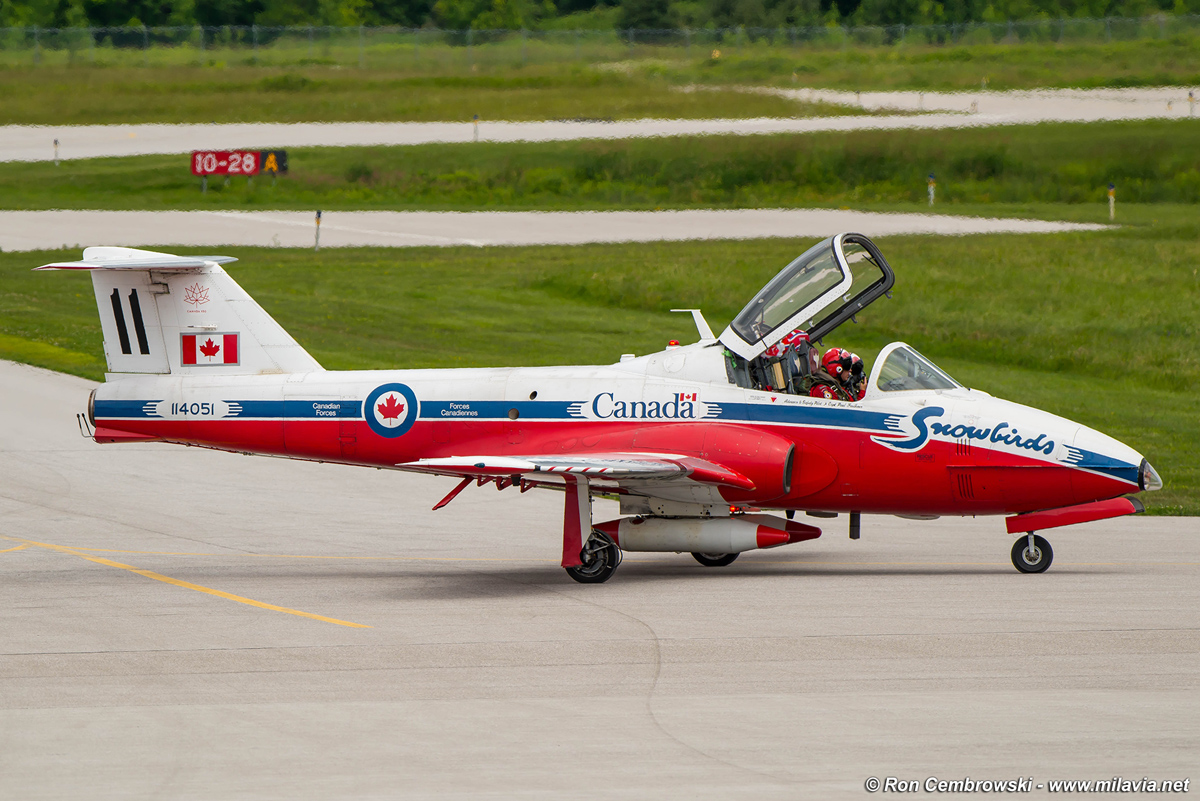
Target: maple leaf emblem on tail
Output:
[
  {"x": 195, "y": 294},
  {"x": 209, "y": 348},
  {"x": 389, "y": 409}
]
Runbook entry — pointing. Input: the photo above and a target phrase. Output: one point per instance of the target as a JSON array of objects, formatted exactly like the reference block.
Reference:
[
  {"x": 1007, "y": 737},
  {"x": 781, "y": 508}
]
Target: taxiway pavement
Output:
[
  {"x": 37, "y": 230},
  {"x": 938, "y": 110},
  {"x": 154, "y": 641}
]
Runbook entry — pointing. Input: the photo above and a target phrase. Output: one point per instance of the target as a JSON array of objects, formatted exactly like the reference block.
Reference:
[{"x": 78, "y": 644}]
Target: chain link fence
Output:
[{"x": 466, "y": 50}]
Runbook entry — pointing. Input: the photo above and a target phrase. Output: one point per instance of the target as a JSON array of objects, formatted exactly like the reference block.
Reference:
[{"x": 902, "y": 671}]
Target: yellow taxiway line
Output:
[{"x": 187, "y": 585}]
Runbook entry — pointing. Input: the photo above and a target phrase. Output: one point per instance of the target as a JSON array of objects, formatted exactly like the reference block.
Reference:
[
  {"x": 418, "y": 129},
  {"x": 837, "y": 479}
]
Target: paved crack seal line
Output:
[
  {"x": 18, "y": 548},
  {"x": 658, "y": 724},
  {"x": 150, "y": 574}
]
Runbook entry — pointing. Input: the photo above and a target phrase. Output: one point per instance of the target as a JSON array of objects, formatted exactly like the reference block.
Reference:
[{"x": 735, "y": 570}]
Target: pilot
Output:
[
  {"x": 830, "y": 382},
  {"x": 858, "y": 378}
]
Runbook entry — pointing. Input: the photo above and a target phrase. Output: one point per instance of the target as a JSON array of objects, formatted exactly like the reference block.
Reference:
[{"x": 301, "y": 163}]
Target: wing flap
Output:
[{"x": 609, "y": 466}]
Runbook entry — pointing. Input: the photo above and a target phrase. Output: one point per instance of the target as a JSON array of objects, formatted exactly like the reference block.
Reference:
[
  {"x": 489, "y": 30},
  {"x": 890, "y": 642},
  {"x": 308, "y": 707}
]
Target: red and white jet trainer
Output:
[{"x": 694, "y": 440}]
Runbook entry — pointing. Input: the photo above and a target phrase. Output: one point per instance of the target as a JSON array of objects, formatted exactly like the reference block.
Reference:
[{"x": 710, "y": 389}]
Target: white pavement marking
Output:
[
  {"x": 795, "y": 672},
  {"x": 35, "y": 142},
  {"x": 38, "y": 230}
]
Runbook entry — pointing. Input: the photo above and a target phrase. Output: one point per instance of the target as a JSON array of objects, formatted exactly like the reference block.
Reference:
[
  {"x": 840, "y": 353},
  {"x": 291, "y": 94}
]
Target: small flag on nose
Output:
[{"x": 206, "y": 349}]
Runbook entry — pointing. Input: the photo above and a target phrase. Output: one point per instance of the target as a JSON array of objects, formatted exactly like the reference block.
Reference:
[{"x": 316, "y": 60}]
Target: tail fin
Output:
[{"x": 183, "y": 314}]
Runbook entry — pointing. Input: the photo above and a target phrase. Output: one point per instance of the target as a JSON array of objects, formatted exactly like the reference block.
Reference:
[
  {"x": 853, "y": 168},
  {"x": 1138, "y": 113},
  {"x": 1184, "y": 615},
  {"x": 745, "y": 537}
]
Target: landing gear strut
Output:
[
  {"x": 1032, "y": 554},
  {"x": 599, "y": 557}
]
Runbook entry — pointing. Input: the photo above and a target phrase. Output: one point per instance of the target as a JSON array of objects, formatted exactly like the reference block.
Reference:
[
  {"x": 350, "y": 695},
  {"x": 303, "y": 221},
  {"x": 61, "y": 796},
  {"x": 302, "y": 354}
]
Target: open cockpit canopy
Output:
[{"x": 827, "y": 285}]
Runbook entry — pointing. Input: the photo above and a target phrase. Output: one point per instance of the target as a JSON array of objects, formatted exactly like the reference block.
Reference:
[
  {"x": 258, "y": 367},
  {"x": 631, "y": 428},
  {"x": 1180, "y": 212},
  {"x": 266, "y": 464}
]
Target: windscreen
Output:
[
  {"x": 907, "y": 369},
  {"x": 797, "y": 286}
]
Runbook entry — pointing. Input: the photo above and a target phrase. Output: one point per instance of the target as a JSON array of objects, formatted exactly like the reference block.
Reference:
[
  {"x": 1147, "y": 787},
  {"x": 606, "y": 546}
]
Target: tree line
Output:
[{"x": 563, "y": 14}]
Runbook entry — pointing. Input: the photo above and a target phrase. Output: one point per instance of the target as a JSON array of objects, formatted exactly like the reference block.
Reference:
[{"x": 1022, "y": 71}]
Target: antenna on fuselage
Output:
[{"x": 706, "y": 334}]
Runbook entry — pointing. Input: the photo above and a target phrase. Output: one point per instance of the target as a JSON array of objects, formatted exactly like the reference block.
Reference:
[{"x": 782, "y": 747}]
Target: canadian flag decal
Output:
[{"x": 204, "y": 349}]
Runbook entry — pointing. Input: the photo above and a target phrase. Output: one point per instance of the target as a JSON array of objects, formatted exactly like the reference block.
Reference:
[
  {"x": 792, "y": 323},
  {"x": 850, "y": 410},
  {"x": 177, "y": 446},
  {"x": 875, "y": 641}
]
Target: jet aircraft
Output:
[{"x": 697, "y": 442}]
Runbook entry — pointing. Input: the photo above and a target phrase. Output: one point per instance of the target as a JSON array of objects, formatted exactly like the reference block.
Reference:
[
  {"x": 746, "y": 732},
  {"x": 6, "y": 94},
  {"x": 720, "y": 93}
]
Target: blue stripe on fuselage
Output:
[{"x": 1099, "y": 463}]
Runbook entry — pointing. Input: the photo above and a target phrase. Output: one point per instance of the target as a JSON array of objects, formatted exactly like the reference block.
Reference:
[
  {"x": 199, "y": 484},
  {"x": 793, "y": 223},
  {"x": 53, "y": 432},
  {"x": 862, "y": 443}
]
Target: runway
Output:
[
  {"x": 38, "y": 230},
  {"x": 926, "y": 110},
  {"x": 175, "y": 626}
]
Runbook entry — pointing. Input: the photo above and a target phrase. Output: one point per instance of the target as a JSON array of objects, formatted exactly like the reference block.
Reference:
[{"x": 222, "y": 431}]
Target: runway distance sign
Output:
[{"x": 238, "y": 162}]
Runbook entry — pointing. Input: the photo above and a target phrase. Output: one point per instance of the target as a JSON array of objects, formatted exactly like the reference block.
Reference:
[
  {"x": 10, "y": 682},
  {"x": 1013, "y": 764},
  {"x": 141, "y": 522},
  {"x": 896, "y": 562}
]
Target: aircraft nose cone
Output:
[{"x": 1148, "y": 478}]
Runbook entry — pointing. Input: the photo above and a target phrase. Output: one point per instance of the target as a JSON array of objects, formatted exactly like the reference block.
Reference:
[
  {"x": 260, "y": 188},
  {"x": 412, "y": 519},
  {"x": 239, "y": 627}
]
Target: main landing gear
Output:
[
  {"x": 600, "y": 558},
  {"x": 1032, "y": 554},
  {"x": 715, "y": 559}
]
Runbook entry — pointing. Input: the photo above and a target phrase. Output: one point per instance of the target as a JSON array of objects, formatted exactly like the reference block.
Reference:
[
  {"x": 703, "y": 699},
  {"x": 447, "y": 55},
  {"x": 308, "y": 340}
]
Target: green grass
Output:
[
  {"x": 606, "y": 81},
  {"x": 86, "y": 96},
  {"x": 1100, "y": 327},
  {"x": 1170, "y": 62},
  {"x": 1150, "y": 162}
]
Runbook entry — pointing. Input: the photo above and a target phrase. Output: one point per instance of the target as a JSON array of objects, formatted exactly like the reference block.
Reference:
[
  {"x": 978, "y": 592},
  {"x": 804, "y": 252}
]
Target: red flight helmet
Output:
[{"x": 837, "y": 363}]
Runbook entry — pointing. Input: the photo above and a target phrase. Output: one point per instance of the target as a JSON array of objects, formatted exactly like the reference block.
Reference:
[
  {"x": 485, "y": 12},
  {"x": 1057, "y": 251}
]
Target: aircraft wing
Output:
[{"x": 605, "y": 466}]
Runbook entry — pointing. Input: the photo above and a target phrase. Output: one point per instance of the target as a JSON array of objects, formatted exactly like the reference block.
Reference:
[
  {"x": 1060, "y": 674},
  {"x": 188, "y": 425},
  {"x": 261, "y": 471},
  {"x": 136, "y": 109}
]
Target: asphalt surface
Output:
[
  {"x": 800, "y": 672},
  {"x": 37, "y": 230},
  {"x": 934, "y": 110}
]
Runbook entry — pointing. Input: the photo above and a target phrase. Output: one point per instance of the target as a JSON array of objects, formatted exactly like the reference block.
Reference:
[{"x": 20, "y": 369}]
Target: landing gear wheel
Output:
[
  {"x": 600, "y": 557},
  {"x": 715, "y": 559},
  {"x": 1032, "y": 554}
]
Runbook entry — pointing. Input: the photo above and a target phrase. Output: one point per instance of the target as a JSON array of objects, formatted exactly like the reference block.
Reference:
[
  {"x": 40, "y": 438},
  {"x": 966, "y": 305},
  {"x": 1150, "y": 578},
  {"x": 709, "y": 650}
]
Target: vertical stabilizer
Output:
[{"x": 183, "y": 314}]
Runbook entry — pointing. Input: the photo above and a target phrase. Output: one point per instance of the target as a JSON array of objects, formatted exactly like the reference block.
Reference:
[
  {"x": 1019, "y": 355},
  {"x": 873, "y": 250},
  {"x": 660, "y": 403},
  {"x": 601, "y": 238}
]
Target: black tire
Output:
[
  {"x": 1036, "y": 562},
  {"x": 600, "y": 558},
  {"x": 715, "y": 559}
]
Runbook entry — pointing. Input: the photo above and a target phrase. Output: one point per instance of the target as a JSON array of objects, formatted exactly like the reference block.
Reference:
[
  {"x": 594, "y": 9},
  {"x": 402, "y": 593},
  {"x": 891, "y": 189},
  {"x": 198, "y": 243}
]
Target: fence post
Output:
[
  {"x": 1107, "y": 30},
  {"x": 578, "y": 52},
  {"x": 310, "y": 42},
  {"x": 524, "y": 47},
  {"x": 200, "y": 30},
  {"x": 145, "y": 46},
  {"x": 416, "y": 46},
  {"x": 470, "y": 52},
  {"x": 254, "y": 40},
  {"x": 362, "y": 48},
  {"x": 37, "y": 54}
]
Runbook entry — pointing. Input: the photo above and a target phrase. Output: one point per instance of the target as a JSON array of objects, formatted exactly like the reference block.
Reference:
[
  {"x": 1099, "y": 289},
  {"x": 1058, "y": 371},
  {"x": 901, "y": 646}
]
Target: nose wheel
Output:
[
  {"x": 600, "y": 557},
  {"x": 1032, "y": 554}
]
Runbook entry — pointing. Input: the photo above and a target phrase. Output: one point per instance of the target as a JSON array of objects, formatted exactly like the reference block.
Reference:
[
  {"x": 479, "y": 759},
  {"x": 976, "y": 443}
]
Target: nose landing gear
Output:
[{"x": 1032, "y": 554}]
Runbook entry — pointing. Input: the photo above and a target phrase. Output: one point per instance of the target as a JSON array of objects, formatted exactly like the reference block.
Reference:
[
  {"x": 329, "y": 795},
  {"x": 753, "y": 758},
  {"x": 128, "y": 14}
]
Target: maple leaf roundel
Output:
[{"x": 391, "y": 410}]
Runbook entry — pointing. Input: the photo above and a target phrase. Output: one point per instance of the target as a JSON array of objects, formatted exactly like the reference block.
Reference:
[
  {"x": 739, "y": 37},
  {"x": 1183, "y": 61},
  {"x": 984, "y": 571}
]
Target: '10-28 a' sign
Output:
[{"x": 238, "y": 162}]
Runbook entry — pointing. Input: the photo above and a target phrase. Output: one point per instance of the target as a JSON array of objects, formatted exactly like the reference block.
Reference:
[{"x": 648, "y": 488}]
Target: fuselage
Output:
[{"x": 956, "y": 451}]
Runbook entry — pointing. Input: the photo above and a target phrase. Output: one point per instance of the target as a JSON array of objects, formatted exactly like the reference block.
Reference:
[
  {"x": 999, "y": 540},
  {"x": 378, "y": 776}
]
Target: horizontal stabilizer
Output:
[{"x": 105, "y": 258}]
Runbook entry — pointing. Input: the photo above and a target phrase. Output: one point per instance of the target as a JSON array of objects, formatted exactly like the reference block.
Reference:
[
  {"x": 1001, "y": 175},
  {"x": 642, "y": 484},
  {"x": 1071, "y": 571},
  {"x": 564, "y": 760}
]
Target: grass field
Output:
[
  {"x": 1099, "y": 327},
  {"x": 85, "y": 96},
  {"x": 1171, "y": 62},
  {"x": 451, "y": 86},
  {"x": 1150, "y": 162}
]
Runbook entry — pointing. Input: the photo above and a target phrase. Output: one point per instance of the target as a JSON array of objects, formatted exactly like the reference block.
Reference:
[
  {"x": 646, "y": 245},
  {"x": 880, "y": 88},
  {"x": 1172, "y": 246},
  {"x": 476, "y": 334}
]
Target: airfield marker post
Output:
[
  {"x": 1112, "y": 202},
  {"x": 932, "y": 188},
  {"x": 476, "y": 127},
  {"x": 317, "y": 241},
  {"x": 55, "y": 152},
  {"x": 1191, "y": 104}
]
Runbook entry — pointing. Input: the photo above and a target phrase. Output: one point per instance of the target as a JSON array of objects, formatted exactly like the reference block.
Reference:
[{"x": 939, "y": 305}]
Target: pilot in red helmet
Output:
[
  {"x": 830, "y": 382},
  {"x": 858, "y": 378}
]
